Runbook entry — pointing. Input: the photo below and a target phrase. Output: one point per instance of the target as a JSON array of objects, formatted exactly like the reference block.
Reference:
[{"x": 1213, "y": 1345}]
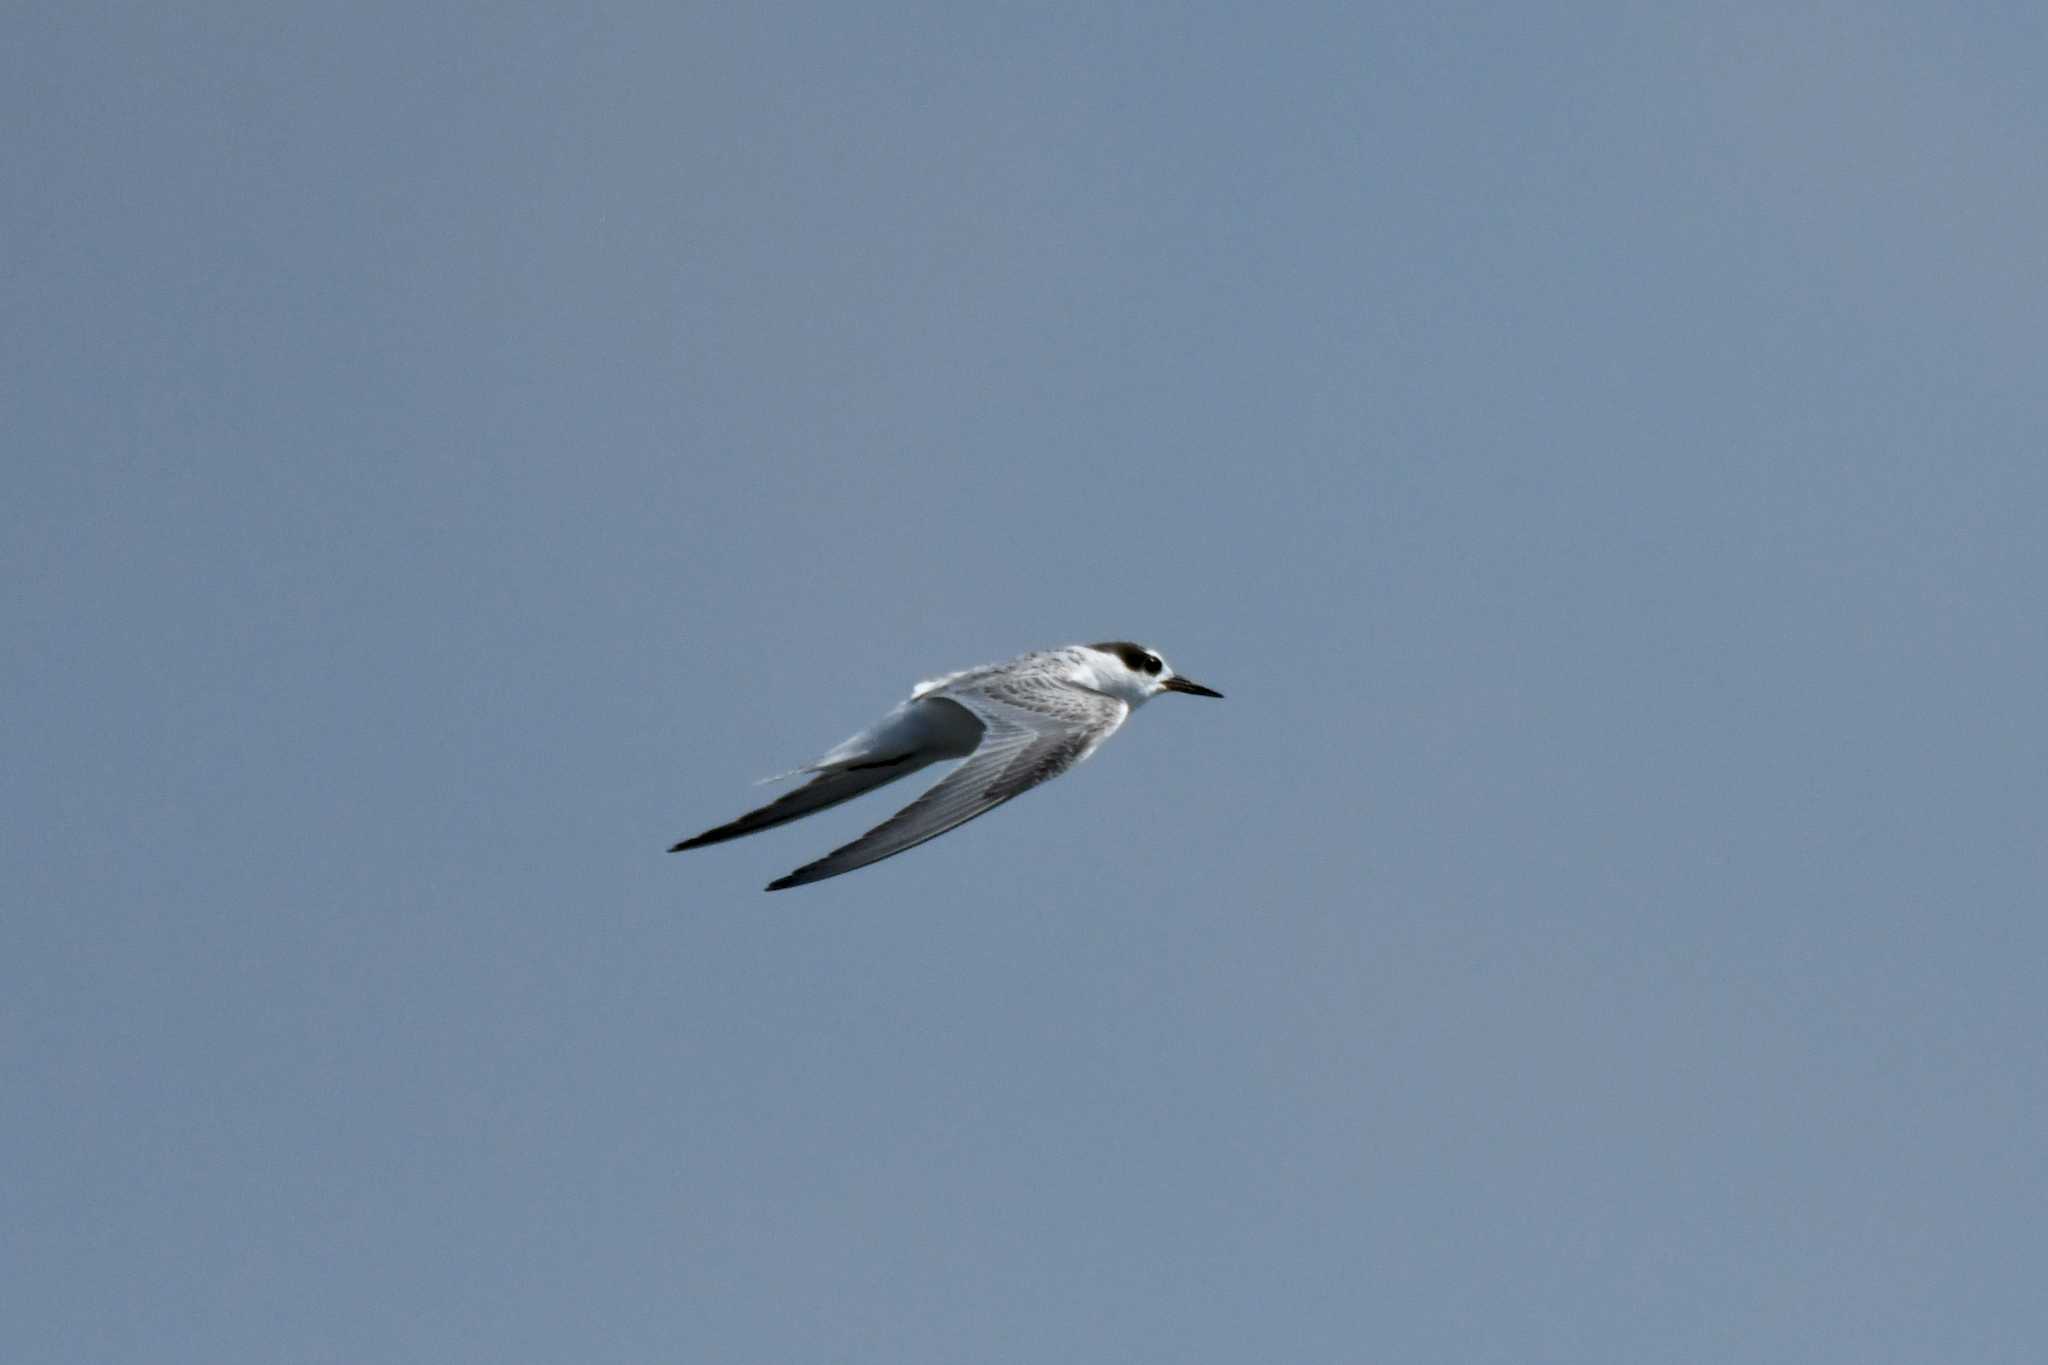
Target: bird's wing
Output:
[
  {"x": 1034, "y": 731},
  {"x": 915, "y": 734},
  {"x": 825, "y": 790}
]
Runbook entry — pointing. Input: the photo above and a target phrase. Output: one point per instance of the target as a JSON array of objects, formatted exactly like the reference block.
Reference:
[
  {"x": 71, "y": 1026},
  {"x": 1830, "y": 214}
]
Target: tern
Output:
[{"x": 1017, "y": 724}]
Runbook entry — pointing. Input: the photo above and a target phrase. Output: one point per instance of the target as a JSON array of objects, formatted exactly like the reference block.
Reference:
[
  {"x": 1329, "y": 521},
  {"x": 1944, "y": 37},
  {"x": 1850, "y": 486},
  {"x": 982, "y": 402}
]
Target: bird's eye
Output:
[{"x": 1152, "y": 664}]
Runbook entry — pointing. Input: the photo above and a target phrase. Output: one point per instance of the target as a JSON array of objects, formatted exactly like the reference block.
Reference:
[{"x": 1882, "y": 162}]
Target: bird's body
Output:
[{"x": 1017, "y": 724}]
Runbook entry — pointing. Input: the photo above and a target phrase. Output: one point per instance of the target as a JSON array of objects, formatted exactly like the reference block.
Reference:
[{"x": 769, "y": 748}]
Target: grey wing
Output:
[
  {"x": 913, "y": 735},
  {"x": 822, "y": 792},
  {"x": 1030, "y": 738}
]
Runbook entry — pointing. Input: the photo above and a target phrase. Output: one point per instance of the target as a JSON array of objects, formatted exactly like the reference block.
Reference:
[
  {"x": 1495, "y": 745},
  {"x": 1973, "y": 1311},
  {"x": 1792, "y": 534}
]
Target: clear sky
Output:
[{"x": 452, "y": 450}]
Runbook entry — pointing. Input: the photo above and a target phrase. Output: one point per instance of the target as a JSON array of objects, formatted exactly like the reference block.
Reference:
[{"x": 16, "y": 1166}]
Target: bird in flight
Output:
[{"x": 1017, "y": 724}]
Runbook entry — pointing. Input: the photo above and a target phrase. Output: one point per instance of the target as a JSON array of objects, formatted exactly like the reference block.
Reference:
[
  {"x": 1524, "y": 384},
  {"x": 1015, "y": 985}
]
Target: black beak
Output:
[{"x": 1193, "y": 689}]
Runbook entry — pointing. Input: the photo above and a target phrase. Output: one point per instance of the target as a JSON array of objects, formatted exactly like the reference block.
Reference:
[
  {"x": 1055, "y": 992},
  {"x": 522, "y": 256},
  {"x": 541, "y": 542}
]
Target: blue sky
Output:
[{"x": 456, "y": 449}]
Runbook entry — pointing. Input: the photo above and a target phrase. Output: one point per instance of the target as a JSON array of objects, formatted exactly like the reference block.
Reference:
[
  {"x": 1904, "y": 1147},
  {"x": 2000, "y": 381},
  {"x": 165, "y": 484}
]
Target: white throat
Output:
[{"x": 1107, "y": 674}]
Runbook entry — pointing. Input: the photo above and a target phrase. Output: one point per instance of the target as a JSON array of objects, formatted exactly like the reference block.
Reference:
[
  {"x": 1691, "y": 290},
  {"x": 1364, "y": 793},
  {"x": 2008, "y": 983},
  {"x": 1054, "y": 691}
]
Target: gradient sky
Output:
[{"x": 454, "y": 449}]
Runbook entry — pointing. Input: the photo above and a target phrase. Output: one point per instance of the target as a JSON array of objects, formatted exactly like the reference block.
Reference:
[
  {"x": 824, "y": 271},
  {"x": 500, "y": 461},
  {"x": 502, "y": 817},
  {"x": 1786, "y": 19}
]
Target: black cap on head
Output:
[{"x": 1137, "y": 658}]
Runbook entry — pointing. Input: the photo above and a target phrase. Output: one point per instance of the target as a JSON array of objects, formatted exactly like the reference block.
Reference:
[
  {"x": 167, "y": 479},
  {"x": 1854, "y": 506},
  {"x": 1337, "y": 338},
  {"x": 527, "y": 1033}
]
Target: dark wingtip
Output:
[{"x": 803, "y": 876}]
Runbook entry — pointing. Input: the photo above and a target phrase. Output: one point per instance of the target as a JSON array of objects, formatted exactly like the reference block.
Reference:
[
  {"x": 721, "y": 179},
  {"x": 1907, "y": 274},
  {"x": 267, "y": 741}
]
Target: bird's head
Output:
[{"x": 1137, "y": 674}]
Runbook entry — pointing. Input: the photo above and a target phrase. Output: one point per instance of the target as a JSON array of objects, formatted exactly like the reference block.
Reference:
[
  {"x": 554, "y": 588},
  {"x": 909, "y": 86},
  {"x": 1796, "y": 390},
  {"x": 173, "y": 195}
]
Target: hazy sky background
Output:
[{"x": 452, "y": 450}]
